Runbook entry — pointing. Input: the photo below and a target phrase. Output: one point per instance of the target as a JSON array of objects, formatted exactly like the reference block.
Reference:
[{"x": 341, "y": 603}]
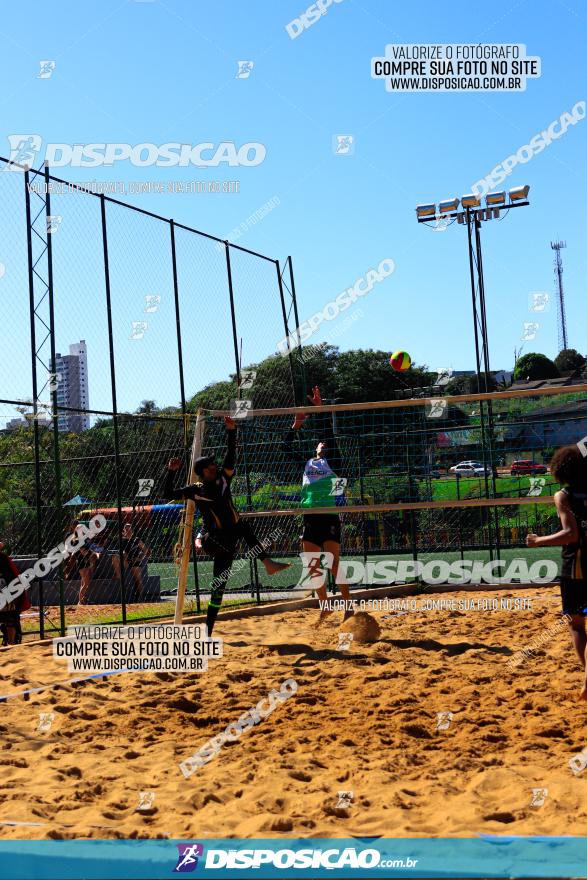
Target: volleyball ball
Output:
[
  {"x": 400, "y": 361},
  {"x": 363, "y": 626}
]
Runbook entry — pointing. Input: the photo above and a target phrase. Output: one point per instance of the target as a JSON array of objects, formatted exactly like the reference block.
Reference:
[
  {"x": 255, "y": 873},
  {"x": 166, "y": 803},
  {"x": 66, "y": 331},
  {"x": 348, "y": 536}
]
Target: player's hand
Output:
[
  {"x": 174, "y": 464},
  {"x": 229, "y": 423},
  {"x": 315, "y": 397},
  {"x": 531, "y": 540},
  {"x": 198, "y": 542},
  {"x": 316, "y": 400}
]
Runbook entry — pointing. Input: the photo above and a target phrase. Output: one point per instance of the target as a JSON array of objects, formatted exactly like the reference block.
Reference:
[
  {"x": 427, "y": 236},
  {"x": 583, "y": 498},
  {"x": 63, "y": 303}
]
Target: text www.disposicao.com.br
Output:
[{"x": 150, "y": 664}]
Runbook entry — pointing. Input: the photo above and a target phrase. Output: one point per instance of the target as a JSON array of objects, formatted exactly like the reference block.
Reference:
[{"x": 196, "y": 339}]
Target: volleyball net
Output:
[
  {"x": 422, "y": 479},
  {"x": 419, "y": 479}
]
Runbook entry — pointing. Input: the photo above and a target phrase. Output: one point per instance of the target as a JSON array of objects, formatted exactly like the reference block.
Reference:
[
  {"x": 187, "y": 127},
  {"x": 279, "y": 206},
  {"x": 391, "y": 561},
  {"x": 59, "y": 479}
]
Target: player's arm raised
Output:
[
  {"x": 290, "y": 442},
  {"x": 169, "y": 492},
  {"x": 229, "y": 463}
]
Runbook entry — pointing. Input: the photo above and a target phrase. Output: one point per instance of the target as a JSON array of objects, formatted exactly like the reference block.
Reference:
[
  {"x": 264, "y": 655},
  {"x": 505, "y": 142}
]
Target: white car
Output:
[{"x": 470, "y": 469}]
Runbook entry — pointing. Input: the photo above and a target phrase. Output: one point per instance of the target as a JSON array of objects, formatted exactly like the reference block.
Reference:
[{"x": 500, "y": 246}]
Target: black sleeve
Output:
[
  {"x": 170, "y": 494},
  {"x": 293, "y": 445},
  {"x": 294, "y": 440},
  {"x": 229, "y": 462}
]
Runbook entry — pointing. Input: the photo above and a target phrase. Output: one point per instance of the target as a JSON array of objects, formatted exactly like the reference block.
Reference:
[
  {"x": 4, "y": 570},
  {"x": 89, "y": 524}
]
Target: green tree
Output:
[
  {"x": 569, "y": 360},
  {"x": 535, "y": 366},
  {"x": 217, "y": 395},
  {"x": 366, "y": 375},
  {"x": 147, "y": 407}
]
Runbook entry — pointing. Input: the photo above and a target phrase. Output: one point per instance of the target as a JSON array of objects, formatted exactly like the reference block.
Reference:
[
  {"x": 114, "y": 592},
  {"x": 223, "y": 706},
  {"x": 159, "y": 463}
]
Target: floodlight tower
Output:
[
  {"x": 471, "y": 215},
  {"x": 558, "y": 274}
]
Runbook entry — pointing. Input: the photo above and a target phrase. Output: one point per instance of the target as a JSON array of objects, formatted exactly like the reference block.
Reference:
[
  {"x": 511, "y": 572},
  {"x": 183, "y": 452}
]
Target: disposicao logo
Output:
[{"x": 187, "y": 859}]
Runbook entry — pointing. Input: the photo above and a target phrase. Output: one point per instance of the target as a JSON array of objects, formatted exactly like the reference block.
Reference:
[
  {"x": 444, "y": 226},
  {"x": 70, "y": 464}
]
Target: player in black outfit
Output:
[
  {"x": 222, "y": 526},
  {"x": 569, "y": 468}
]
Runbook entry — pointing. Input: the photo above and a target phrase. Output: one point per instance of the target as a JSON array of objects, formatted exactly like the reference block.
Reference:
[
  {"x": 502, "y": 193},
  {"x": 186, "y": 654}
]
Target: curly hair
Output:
[{"x": 569, "y": 466}]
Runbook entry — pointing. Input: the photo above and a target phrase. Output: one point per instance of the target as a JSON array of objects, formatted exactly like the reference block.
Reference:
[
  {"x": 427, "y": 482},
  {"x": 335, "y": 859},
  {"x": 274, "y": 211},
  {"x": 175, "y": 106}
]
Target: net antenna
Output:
[{"x": 187, "y": 524}]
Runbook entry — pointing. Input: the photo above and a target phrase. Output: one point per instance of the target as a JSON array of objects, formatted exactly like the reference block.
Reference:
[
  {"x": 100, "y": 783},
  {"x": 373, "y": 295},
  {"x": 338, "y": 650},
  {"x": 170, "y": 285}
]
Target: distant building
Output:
[
  {"x": 43, "y": 420},
  {"x": 500, "y": 376},
  {"x": 72, "y": 387},
  {"x": 550, "y": 426},
  {"x": 563, "y": 381}
]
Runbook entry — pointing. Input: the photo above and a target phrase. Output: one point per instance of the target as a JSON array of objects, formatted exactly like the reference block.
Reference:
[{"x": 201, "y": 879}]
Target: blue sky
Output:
[{"x": 165, "y": 71}]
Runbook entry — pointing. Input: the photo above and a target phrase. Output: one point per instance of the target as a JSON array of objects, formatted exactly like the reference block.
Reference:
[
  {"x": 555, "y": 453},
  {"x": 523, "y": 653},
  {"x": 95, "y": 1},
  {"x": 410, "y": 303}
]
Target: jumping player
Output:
[
  {"x": 322, "y": 486},
  {"x": 222, "y": 526},
  {"x": 569, "y": 468}
]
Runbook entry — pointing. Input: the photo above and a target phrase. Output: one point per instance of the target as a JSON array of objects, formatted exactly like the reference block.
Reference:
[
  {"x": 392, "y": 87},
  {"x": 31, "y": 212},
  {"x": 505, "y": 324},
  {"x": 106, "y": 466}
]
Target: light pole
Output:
[{"x": 471, "y": 214}]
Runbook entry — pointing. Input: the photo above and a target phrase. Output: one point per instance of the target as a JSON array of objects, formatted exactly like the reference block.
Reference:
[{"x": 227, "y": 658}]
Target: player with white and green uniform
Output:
[{"x": 322, "y": 486}]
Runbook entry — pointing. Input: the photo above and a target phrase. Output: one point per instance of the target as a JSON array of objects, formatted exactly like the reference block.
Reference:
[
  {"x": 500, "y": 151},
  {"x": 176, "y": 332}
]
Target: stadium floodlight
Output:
[
  {"x": 448, "y": 206},
  {"x": 426, "y": 210},
  {"x": 519, "y": 193},
  {"x": 495, "y": 198},
  {"x": 471, "y": 216}
]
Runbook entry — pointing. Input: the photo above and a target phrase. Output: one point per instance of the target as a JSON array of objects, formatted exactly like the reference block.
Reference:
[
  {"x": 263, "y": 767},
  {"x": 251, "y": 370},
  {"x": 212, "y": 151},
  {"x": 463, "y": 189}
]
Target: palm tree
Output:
[{"x": 147, "y": 408}]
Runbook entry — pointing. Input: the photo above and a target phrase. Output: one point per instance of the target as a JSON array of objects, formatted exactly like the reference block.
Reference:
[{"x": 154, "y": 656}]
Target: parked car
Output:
[
  {"x": 526, "y": 466},
  {"x": 470, "y": 469}
]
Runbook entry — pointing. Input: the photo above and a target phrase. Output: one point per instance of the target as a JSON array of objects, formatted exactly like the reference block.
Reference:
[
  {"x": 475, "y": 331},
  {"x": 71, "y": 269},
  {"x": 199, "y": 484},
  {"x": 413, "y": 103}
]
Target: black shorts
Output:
[
  {"x": 220, "y": 542},
  {"x": 320, "y": 528},
  {"x": 80, "y": 563},
  {"x": 12, "y": 620},
  {"x": 574, "y": 595},
  {"x": 135, "y": 561}
]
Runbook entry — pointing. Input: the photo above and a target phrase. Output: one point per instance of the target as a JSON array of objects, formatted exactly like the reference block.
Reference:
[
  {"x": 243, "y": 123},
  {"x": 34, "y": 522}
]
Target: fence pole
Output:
[
  {"x": 363, "y": 518},
  {"x": 186, "y": 443},
  {"x": 114, "y": 406},
  {"x": 38, "y": 489},
  {"x": 412, "y": 513},
  {"x": 286, "y": 329},
  {"x": 459, "y": 514},
  {"x": 297, "y": 320},
  {"x": 56, "y": 451},
  {"x": 252, "y": 562}
]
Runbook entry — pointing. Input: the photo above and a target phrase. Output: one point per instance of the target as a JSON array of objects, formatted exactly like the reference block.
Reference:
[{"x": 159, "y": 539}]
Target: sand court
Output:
[{"x": 428, "y": 731}]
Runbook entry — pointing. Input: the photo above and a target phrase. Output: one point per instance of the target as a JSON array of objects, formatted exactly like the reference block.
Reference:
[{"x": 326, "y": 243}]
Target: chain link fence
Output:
[{"x": 116, "y": 320}]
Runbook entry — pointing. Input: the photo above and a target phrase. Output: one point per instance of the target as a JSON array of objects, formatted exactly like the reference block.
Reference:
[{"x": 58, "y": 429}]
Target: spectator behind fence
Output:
[
  {"x": 80, "y": 565},
  {"x": 135, "y": 553},
  {"x": 10, "y": 615},
  {"x": 103, "y": 546}
]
